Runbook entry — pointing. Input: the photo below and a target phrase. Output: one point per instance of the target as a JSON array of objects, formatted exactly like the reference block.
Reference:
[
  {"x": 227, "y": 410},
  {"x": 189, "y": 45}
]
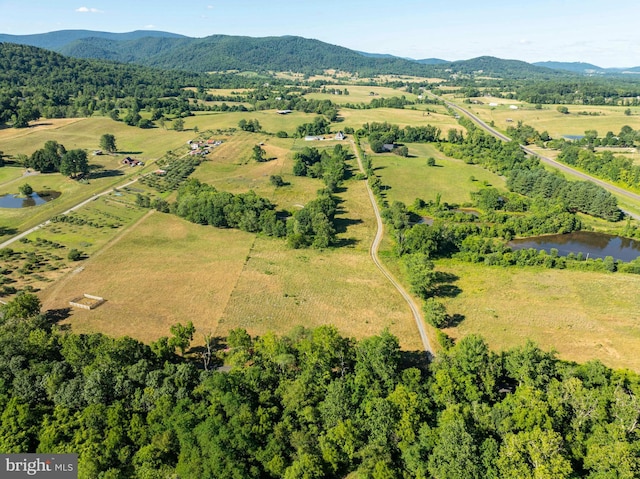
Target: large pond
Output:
[
  {"x": 15, "y": 201},
  {"x": 596, "y": 245}
]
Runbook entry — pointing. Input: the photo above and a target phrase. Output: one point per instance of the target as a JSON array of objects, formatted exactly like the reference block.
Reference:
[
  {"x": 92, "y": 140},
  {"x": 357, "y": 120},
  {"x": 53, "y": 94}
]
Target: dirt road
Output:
[{"x": 373, "y": 251}]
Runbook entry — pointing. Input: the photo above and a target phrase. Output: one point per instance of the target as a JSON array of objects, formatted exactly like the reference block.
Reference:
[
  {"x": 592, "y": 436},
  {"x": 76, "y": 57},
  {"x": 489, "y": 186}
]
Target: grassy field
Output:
[
  {"x": 359, "y": 94},
  {"x": 95, "y": 225},
  {"x": 400, "y": 117},
  {"x": 270, "y": 120},
  {"x": 582, "y": 315},
  {"x": 411, "y": 178},
  {"x": 85, "y": 133},
  {"x": 599, "y": 118},
  {"x": 164, "y": 270},
  {"x": 159, "y": 272},
  {"x": 280, "y": 288}
]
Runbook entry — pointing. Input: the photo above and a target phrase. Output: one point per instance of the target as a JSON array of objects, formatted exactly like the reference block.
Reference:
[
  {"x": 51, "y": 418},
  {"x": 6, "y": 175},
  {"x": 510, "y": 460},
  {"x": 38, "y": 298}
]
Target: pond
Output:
[
  {"x": 15, "y": 201},
  {"x": 592, "y": 245}
]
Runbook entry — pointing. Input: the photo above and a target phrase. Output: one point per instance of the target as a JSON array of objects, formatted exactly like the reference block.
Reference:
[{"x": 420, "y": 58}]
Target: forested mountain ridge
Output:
[
  {"x": 59, "y": 39},
  {"x": 283, "y": 53}
]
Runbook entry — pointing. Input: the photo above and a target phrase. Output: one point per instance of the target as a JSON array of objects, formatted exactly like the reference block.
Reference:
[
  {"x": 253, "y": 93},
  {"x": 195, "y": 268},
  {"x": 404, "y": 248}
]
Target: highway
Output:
[{"x": 551, "y": 162}]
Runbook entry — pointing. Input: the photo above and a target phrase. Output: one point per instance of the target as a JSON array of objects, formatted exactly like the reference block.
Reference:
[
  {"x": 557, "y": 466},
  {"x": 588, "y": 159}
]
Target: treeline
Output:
[
  {"x": 584, "y": 92},
  {"x": 311, "y": 226},
  {"x": 526, "y": 176},
  {"x": 606, "y": 165},
  {"x": 583, "y": 196},
  {"x": 203, "y": 204},
  {"x": 310, "y": 404},
  {"x": 379, "y": 134}
]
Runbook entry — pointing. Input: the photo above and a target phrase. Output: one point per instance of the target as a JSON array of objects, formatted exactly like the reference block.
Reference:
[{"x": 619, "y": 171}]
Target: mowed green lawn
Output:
[{"x": 582, "y": 315}]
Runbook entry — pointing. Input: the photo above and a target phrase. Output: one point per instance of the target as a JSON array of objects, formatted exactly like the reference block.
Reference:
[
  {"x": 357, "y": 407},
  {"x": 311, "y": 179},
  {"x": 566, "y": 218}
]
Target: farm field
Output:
[
  {"x": 162, "y": 271},
  {"x": 582, "y": 315},
  {"x": 42, "y": 257},
  {"x": 359, "y": 94},
  {"x": 270, "y": 120},
  {"x": 411, "y": 178},
  {"x": 402, "y": 118},
  {"x": 243, "y": 280},
  {"x": 599, "y": 118},
  {"x": 280, "y": 288}
]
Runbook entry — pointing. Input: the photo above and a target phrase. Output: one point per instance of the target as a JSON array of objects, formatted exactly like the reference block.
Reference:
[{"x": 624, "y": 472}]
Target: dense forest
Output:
[
  {"x": 310, "y": 404},
  {"x": 37, "y": 83}
]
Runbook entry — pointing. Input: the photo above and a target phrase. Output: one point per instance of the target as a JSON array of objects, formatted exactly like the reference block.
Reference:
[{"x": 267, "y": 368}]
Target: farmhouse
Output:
[
  {"x": 340, "y": 136},
  {"x": 313, "y": 138},
  {"x": 284, "y": 112},
  {"x": 388, "y": 147}
]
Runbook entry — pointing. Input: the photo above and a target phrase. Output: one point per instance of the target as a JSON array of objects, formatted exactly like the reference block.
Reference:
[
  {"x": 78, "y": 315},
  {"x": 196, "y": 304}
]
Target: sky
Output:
[{"x": 592, "y": 31}]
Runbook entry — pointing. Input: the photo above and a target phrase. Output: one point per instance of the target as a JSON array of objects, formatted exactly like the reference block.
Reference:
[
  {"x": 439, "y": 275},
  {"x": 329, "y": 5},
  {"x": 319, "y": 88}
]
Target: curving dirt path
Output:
[{"x": 373, "y": 252}]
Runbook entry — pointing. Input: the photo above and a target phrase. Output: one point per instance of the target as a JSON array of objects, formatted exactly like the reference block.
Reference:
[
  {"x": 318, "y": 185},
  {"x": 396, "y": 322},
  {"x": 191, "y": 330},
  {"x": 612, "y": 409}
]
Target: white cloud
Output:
[
  {"x": 149, "y": 27},
  {"x": 210, "y": 7},
  {"x": 88, "y": 10}
]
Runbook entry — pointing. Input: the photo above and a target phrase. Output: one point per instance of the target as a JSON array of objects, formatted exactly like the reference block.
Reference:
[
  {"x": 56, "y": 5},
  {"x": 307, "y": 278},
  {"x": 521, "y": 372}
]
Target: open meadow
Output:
[
  {"x": 155, "y": 269},
  {"x": 411, "y": 178},
  {"x": 582, "y": 315},
  {"x": 579, "y": 119},
  {"x": 401, "y": 117},
  {"x": 358, "y": 94},
  {"x": 165, "y": 270}
]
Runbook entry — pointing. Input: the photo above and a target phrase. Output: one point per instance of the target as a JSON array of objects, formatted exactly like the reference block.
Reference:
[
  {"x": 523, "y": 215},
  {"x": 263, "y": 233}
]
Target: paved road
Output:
[
  {"x": 373, "y": 251},
  {"x": 556, "y": 164}
]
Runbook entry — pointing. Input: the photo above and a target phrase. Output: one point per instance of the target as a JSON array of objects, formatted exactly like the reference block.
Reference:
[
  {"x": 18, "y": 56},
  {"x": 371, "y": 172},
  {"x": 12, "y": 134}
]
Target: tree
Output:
[
  {"x": 23, "y": 306},
  {"x": 276, "y": 180},
  {"x": 74, "y": 162},
  {"x": 421, "y": 274},
  {"x": 178, "y": 124},
  {"x": 182, "y": 336},
  {"x": 435, "y": 313},
  {"x": 74, "y": 255},
  {"x": 431, "y": 161},
  {"x": 108, "y": 143},
  {"x": 563, "y": 109},
  {"x": 25, "y": 190},
  {"x": 259, "y": 154}
]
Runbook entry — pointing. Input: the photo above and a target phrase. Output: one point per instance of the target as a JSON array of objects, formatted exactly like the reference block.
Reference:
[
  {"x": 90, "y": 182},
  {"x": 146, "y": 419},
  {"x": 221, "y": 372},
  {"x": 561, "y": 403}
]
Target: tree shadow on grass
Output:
[
  {"x": 57, "y": 315},
  {"x": 105, "y": 174},
  {"x": 4, "y": 231},
  {"x": 455, "y": 320},
  {"x": 342, "y": 224},
  {"x": 343, "y": 242},
  {"x": 446, "y": 291}
]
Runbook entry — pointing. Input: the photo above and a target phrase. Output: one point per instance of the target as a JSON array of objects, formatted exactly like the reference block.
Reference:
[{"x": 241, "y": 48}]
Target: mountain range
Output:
[{"x": 286, "y": 53}]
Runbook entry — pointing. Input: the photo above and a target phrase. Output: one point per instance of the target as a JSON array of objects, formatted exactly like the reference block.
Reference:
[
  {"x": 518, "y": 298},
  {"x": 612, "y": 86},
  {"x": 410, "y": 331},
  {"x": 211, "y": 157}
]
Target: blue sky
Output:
[{"x": 591, "y": 31}]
